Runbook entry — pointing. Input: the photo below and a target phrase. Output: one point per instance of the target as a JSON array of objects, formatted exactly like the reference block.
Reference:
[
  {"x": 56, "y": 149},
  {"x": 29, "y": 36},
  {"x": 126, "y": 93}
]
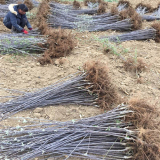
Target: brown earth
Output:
[{"x": 26, "y": 74}]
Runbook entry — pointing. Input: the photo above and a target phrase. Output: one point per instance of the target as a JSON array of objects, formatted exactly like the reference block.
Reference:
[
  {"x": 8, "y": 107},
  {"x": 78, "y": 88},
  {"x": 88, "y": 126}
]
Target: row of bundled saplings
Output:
[
  {"x": 128, "y": 131},
  {"x": 59, "y": 43},
  {"x": 121, "y": 18}
]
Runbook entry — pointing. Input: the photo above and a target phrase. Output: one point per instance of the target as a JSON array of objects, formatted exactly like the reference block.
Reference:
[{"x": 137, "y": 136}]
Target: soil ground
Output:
[{"x": 26, "y": 74}]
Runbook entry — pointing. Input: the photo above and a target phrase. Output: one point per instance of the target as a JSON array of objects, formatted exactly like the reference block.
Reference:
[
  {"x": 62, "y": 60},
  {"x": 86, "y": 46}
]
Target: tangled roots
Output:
[
  {"x": 59, "y": 44},
  {"x": 76, "y": 5},
  {"x": 143, "y": 115},
  {"x": 46, "y": 59},
  {"x": 29, "y": 4},
  {"x": 136, "y": 20},
  {"x": 87, "y": 1},
  {"x": 156, "y": 8},
  {"x": 122, "y": 2},
  {"x": 101, "y": 9},
  {"x": 127, "y": 13},
  {"x": 145, "y": 120},
  {"x": 41, "y": 17},
  {"x": 98, "y": 75},
  {"x": 102, "y": 2},
  {"x": 147, "y": 6},
  {"x": 2, "y": 2},
  {"x": 114, "y": 10},
  {"x": 135, "y": 65},
  {"x": 156, "y": 26}
]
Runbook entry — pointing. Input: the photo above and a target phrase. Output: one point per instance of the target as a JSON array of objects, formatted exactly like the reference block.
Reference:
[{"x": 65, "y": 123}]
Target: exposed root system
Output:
[
  {"x": 87, "y": 1},
  {"x": 122, "y": 2},
  {"x": 76, "y": 4},
  {"x": 59, "y": 43},
  {"x": 135, "y": 65},
  {"x": 147, "y": 7},
  {"x": 136, "y": 21},
  {"x": 114, "y": 10},
  {"x": 127, "y": 13},
  {"x": 101, "y": 9},
  {"x": 144, "y": 119},
  {"x": 2, "y": 2},
  {"x": 157, "y": 27},
  {"x": 29, "y": 4},
  {"x": 102, "y": 85}
]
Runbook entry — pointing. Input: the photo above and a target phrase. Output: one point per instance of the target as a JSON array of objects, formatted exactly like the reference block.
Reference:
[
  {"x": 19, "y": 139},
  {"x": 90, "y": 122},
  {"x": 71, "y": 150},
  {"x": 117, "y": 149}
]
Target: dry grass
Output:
[
  {"x": 114, "y": 10},
  {"x": 127, "y": 13},
  {"x": 136, "y": 21}
]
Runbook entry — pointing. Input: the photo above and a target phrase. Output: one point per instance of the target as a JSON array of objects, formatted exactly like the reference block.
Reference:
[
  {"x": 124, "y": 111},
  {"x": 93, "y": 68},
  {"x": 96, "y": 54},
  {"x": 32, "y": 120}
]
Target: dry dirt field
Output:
[{"x": 26, "y": 74}]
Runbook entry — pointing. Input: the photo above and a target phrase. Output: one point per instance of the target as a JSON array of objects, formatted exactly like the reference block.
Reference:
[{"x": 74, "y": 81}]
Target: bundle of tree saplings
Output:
[
  {"x": 157, "y": 10},
  {"x": 59, "y": 42},
  {"x": 122, "y": 4},
  {"x": 3, "y": 7},
  {"x": 3, "y": 10},
  {"x": 67, "y": 19},
  {"x": 63, "y": 13},
  {"x": 70, "y": 9},
  {"x": 144, "y": 34},
  {"x": 115, "y": 16},
  {"x": 20, "y": 43},
  {"x": 132, "y": 23},
  {"x": 91, "y": 88},
  {"x": 154, "y": 16},
  {"x": 142, "y": 8},
  {"x": 125, "y": 132}
]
